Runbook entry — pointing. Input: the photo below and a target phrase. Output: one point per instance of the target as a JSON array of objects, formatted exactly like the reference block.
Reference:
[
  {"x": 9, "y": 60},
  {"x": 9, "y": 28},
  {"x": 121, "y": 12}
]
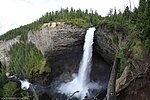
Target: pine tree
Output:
[
  {"x": 127, "y": 13},
  {"x": 142, "y": 6}
]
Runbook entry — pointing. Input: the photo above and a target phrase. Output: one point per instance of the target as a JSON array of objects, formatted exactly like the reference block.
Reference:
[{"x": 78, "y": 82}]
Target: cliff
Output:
[
  {"x": 55, "y": 37},
  {"x": 57, "y": 41},
  {"x": 134, "y": 64},
  {"x": 61, "y": 45},
  {"x": 5, "y": 47},
  {"x": 109, "y": 39},
  {"x": 106, "y": 43}
]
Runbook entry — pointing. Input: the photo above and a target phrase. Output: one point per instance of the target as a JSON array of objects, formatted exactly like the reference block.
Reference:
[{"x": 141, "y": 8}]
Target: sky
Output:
[{"x": 14, "y": 13}]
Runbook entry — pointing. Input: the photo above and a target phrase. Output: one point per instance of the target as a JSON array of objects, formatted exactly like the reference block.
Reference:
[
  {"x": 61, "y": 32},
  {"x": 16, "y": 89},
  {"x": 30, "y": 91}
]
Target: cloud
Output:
[{"x": 15, "y": 13}]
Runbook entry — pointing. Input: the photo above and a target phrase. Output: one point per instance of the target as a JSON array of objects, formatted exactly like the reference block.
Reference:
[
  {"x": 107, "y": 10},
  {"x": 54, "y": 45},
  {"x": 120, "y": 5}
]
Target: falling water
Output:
[
  {"x": 85, "y": 65},
  {"x": 82, "y": 82}
]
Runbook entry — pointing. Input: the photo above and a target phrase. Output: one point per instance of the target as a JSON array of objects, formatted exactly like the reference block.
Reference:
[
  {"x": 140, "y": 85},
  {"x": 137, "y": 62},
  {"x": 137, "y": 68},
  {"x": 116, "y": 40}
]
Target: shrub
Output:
[{"x": 9, "y": 89}]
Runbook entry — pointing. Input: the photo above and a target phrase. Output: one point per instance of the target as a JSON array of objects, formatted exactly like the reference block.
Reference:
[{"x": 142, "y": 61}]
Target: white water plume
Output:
[{"x": 81, "y": 83}]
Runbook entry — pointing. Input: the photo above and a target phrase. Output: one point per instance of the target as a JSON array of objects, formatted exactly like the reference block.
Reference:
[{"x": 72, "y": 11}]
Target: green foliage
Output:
[
  {"x": 75, "y": 17},
  {"x": 131, "y": 23},
  {"x": 123, "y": 61},
  {"x": 2, "y": 79},
  {"x": 9, "y": 89},
  {"x": 115, "y": 26},
  {"x": 22, "y": 30},
  {"x": 78, "y": 21},
  {"x": 142, "y": 21},
  {"x": 2, "y": 74},
  {"x": 26, "y": 60},
  {"x": 137, "y": 51}
]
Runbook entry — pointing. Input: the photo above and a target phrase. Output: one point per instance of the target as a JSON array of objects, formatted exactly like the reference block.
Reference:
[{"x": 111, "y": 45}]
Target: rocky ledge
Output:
[
  {"x": 54, "y": 37},
  {"x": 107, "y": 42},
  {"x": 61, "y": 44}
]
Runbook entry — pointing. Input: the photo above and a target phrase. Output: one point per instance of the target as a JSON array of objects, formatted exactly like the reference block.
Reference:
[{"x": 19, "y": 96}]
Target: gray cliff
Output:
[
  {"x": 56, "y": 37},
  {"x": 108, "y": 42}
]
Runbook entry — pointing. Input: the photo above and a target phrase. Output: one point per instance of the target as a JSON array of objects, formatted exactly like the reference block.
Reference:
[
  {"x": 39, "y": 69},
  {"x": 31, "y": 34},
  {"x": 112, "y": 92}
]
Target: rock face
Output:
[
  {"x": 58, "y": 42},
  {"x": 56, "y": 38},
  {"x": 61, "y": 44},
  {"x": 5, "y": 48},
  {"x": 131, "y": 85},
  {"x": 123, "y": 78},
  {"x": 107, "y": 43}
]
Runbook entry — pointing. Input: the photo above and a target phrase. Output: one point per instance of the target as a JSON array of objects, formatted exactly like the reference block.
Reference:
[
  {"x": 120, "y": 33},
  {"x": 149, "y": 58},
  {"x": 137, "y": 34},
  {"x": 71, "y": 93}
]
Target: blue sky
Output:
[{"x": 14, "y": 13}]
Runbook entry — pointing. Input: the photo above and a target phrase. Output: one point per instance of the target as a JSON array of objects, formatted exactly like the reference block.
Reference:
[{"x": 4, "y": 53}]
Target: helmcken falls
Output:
[{"x": 81, "y": 85}]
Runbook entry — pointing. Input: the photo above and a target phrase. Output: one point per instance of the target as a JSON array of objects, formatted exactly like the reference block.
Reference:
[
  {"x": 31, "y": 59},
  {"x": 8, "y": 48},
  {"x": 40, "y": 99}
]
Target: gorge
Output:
[
  {"x": 63, "y": 55},
  {"x": 48, "y": 53}
]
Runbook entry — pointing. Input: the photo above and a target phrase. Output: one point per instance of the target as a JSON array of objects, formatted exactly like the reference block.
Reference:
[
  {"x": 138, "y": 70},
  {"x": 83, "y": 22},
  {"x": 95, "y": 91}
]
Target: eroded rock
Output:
[
  {"x": 106, "y": 43},
  {"x": 5, "y": 48}
]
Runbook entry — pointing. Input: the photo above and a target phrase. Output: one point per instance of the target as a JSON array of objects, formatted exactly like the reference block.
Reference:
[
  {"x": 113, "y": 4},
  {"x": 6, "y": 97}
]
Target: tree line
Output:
[
  {"x": 76, "y": 17},
  {"x": 26, "y": 60}
]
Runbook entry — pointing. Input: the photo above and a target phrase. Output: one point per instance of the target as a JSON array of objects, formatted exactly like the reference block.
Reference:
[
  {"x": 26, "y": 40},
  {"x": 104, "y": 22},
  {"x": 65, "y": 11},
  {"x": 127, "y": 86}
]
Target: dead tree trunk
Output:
[{"x": 111, "y": 95}]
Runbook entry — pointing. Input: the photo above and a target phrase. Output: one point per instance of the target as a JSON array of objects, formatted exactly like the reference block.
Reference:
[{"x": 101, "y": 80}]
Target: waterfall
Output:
[
  {"x": 81, "y": 83},
  {"x": 85, "y": 65}
]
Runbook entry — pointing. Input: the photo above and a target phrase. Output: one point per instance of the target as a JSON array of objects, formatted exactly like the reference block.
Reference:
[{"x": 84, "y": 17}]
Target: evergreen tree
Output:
[
  {"x": 26, "y": 60},
  {"x": 127, "y": 13},
  {"x": 142, "y": 6}
]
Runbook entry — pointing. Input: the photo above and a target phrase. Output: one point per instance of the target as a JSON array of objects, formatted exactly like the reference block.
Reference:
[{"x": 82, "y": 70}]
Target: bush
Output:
[
  {"x": 9, "y": 89},
  {"x": 123, "y": 61}
]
